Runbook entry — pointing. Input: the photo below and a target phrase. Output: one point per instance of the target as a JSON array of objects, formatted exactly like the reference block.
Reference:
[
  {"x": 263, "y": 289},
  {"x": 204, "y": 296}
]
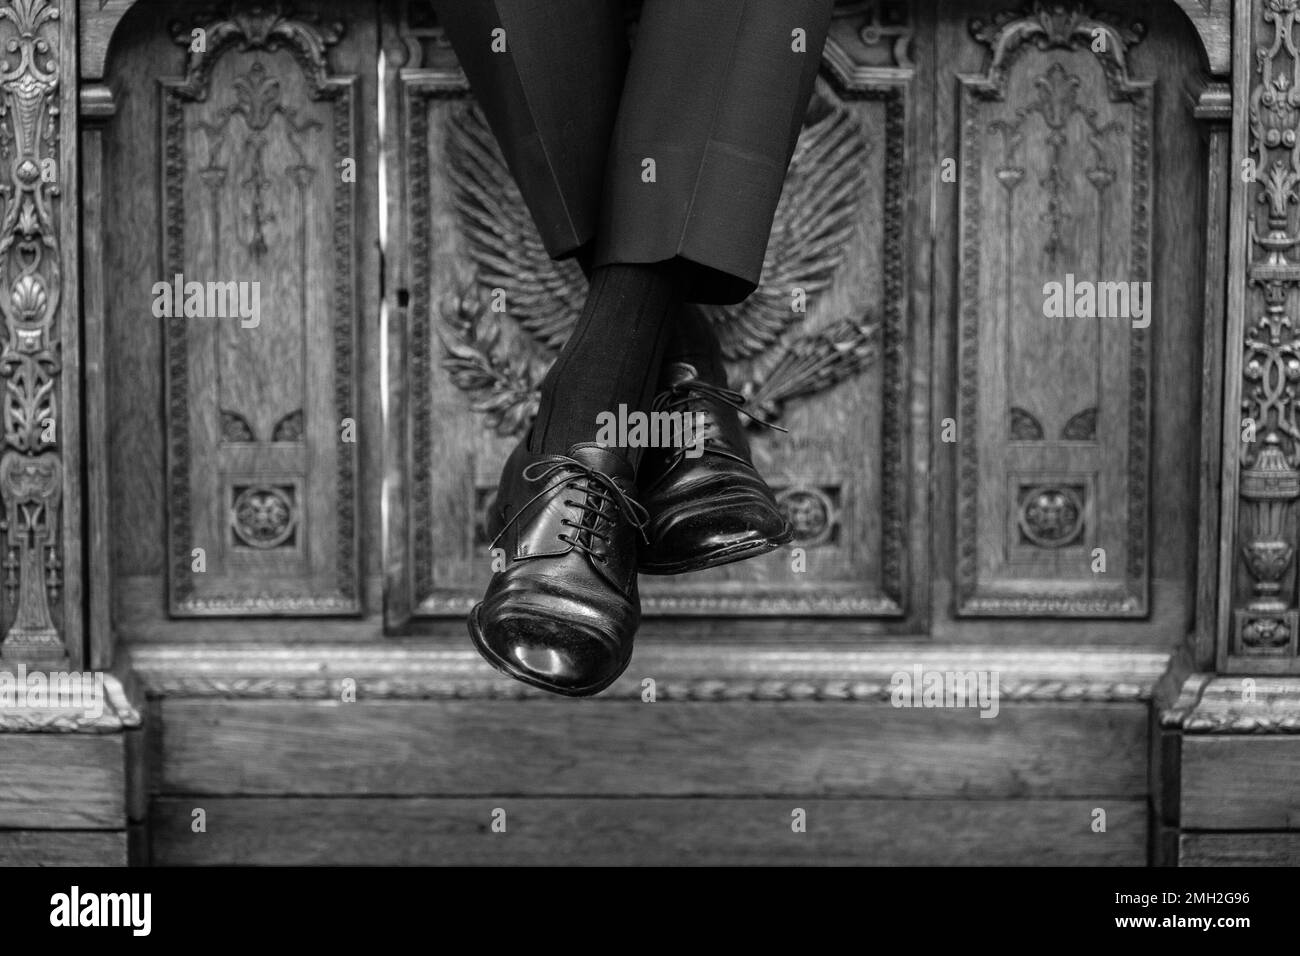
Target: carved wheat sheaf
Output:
[{"x": 772, "y": 360}]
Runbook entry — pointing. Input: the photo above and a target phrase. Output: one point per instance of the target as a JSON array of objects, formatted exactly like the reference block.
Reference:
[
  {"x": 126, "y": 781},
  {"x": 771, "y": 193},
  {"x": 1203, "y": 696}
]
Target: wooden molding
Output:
[
  {"x": 696, "y": 672},
  {"x": 65, "y": 714},
  {"x": 97, "y": 103},
  {"x": 99, "y": 21},
  {"x": 1212, "y": 20},
  {"x": 1236, "y": 705}
]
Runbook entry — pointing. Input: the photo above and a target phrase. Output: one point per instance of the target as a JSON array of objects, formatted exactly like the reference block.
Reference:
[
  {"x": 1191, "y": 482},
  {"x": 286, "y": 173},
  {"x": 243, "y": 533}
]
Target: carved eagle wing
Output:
[
  {"x": 544, "y": 296},
  {"x": 814, "y": 220}
]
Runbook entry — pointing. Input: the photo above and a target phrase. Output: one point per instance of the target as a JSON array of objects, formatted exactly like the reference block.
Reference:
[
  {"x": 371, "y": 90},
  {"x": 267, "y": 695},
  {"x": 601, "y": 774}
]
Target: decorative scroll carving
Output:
[
  {"x": 1046, "y": 26},
  {"x": 31, "y": 467},
  {"x": 1056, "y": 145},
  {"x": 886, "y": 23},
  {"x": 497, "y": 359},
  {"x": 867, "y": 37},
  {"x": 252, "y": 134},
  {"x": 255, "y": 27}
]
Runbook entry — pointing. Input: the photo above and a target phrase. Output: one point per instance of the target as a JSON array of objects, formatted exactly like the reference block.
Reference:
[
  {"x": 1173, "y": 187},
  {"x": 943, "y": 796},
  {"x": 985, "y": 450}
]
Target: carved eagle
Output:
[{"x": 772, "y": 362}]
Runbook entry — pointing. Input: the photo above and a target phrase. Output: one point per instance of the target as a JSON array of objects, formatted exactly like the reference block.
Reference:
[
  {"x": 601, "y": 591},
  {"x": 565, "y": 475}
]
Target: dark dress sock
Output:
[
  {"x": 691, "y": 337},
  {"x": 612, "y": 357}
]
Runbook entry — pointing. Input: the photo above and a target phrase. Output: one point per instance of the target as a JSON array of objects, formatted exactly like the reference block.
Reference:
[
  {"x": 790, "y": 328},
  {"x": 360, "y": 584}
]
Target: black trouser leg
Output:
[
  {"x": 551, "y": 98},
  {"x": 715, "y": 98}
]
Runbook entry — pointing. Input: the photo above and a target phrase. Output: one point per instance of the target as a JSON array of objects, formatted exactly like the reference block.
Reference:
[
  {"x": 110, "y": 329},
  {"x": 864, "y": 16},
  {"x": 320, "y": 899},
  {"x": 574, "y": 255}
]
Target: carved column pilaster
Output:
[
  {"x": 1262, "y": 424},
  {"x": 97, "y": 109},
  {"x": 1211, "y": 102},
  {"x": 39, "y": 427}
]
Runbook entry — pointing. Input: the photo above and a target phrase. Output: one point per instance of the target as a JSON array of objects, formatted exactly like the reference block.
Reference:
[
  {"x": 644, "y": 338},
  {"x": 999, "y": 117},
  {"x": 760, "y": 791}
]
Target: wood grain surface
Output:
[
  {"x": 647, "y": 832},
  {"x": 1239, "y": 849},
  {"x": 62, "y": 848},
  {"x": 1241, "y": 783},
  {"x": 60, "y": 782},
  {"x": 740, "y": 749}
]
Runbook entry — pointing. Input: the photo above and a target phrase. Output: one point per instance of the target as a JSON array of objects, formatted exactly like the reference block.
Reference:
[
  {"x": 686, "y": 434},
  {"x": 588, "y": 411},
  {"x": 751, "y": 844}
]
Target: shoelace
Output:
[
  {"x": 683, "y": 393},
  {"x": 591, "y": 484}
]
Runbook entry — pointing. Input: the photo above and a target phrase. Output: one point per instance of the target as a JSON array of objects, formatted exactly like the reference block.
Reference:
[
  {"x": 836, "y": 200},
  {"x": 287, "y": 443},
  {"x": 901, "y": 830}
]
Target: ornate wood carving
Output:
[
  {"x": 867, "y": 39},
  {"x": 466, "y": 358},
  {"x": 884, "y": 28},
  {"x": 1229, "y": 705},
  {"x": 38, "y": 424},
  {"x": 262, "y": 467},
  {"x": 1056, "y": 181},
  {"x": 65, "y": 712},
  {"x": 1262, "y": 463}
]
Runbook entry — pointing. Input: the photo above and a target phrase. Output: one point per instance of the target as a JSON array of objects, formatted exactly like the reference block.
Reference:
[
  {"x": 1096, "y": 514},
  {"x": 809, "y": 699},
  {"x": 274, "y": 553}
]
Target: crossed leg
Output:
[{"x": 659, "y": 170}]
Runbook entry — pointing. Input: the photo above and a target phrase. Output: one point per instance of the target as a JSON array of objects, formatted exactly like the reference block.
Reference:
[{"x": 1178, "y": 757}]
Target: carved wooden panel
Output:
[
  {"x": 836, "y": 376},
  {"x": 1053, "y": 445},
  {"x": 260, "y": 409}
]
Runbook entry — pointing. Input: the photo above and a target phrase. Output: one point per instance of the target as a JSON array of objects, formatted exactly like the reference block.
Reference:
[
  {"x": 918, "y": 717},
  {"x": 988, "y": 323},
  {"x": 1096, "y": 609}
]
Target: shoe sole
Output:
[
  {"x": 719, "y": 557},
  {"x": 510, "y": 670}
]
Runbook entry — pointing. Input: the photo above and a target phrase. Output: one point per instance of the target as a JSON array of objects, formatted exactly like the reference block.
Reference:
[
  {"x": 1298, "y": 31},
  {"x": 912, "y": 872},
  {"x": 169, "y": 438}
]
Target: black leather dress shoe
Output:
[
  {"x": 562, "y": 614},
  {"x": 712, "y": 509}
]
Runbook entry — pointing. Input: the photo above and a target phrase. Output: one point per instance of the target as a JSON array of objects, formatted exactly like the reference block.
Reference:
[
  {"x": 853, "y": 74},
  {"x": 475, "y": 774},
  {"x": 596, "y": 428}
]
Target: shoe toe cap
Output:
[
  {"x": 558, "y": 654},
  {"x": 728, "y": 524}
]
